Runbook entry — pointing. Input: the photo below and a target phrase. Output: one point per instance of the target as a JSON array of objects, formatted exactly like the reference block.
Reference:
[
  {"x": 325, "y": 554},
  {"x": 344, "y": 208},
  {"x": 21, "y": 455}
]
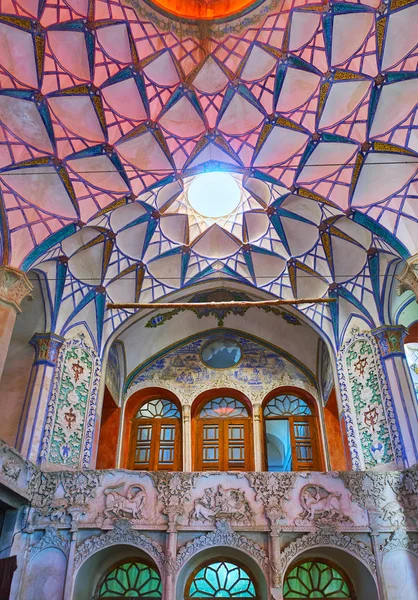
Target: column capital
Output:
[
  {"x": 14, "y": 286},
  {"x": 47, "y": 347},
  {"x": 408, "y": 278},
  {"x": 390, "y": 339}
]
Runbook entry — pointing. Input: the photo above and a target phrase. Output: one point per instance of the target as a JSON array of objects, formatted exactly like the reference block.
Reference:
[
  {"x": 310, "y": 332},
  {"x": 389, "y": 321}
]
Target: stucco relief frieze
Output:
[
  {"x": 52, "y": 538},
  {"x": 272, "y": 490},
  {"x": 321, "y": 538},
  {"x": 122, "y": 533},
  {"x": 220, "y": 502},
  {"x": 174, "y": 489},
  {"x": 124, "y": 505},
  {"x": 321, "y": 507},
  {"x": 224, "y": 535}
]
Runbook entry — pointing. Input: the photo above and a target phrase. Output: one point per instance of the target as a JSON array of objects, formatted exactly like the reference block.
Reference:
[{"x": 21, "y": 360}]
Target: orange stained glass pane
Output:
[{"x": 203, "y": 9}]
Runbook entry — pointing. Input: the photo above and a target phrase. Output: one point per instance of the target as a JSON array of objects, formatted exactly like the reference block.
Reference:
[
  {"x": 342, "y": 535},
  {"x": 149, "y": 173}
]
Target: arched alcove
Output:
[
  {"x": 359, "y": 575},
  {"x": 93, "y": 570},
  {"x": 223, "y": 553}
]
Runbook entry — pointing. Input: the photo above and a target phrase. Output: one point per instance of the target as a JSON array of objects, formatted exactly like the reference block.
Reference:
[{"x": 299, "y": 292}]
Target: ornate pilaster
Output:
[
  {"x": 390, "y": 340},
  {"x": 258, "y": 436},
  {"x": 274, "y": 516},
  {"x": 187, "y": 439},
  {"x": 47, "y": 347},
  {"x": 14, "y": 286}
]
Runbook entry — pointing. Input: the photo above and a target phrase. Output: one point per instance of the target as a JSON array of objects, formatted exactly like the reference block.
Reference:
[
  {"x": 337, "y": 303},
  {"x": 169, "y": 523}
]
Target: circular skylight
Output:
[{"x": 214, "y": 194}]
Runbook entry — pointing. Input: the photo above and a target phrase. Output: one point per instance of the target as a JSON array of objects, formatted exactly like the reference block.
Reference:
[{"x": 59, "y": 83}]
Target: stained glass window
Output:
[
  {"x": 130, "y": 580},
  {"x": 314, "y": 579},
  {"x": 223, "y": 408},
  {"x": 286, "y": 405},
  {"x": 158, "y": 409},
  {"x": 411, "y": 352},
  {"x": 221, "y": 580}
]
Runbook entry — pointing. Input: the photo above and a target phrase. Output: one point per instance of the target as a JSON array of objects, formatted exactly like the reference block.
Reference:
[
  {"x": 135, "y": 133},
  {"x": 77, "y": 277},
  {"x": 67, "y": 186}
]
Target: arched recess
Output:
[
  {"x": 218, "y": 554},
  {"x": 92, "y": 571},
  {"x": 222, "y": 431},
  {"x": 292, "y": 431},
  {"x": 133, "y": 405},
  {"x": 359, "y": 574},
  {"x": 33, "y": 319}
]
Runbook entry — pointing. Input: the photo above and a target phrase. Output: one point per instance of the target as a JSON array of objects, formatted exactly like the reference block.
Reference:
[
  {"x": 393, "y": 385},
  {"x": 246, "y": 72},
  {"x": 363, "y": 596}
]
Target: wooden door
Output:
[
  {"x": 223, "y": 445},
  {"x": 305, "y": 451},
  {"x": 155, "y": 445}
]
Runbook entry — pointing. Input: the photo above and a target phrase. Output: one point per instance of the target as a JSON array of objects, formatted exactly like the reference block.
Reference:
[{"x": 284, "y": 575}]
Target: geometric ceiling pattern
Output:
[{"x": 105, "y": 118}]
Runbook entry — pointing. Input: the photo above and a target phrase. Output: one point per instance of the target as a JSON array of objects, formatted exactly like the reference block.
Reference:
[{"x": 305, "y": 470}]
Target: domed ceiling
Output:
[{"x": 109, "y": 110}]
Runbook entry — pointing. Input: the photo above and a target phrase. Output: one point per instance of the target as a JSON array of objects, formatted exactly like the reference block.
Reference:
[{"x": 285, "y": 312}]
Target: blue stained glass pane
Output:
[{"x": 221, "y": 580}]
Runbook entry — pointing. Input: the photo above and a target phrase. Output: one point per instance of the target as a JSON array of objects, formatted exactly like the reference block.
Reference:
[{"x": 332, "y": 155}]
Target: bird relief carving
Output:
[
  {"x": 221, "y": 503},
  {"x": 320, "y": 507}
]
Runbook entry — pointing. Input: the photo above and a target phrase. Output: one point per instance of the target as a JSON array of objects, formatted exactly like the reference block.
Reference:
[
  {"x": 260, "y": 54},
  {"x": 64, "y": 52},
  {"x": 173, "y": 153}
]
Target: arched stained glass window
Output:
[
  {"x": 224, "y": 408},
  {"x": 156, "y": 437},
  {"x": 316, "y": 579},
  {"x": 130, "y": 579},
  {"x": 158, "y": 409},
  {"x": 221, "y": 580},
  {"x": 287, "y": 405}
]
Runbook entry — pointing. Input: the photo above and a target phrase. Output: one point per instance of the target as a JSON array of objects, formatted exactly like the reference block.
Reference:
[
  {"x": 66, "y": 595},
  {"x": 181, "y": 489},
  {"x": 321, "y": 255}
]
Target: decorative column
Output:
[
  {"x": 169, "y": 590},
  {"x": 274, "y": 515},
  {"x": 14, "y": 286},
  {"x": 187, "y": 439},
  {"x": 408, "y": 278},
  {"x": 258, "y": 436},
  {"x": 390, "y": 340},
  {"x": 374, "y": 536},
  {"x": 47, "y": 347}
]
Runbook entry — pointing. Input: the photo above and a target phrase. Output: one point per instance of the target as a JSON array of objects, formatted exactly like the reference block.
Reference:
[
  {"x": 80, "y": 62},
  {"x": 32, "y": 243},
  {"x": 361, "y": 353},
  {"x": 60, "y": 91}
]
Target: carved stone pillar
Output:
[
  {"x": 390, "y": 340},
  {"x": 187, "y": 439},
  {"x": 14, "y": 286},
  {"x": 47, "y": 347},
  {"x": 273, "y": 515},
  {"x": 258, "y": 436},
  {"x": 169, "y": 590},
  {"x": 379, "y": 571},
  {"x": 76, "y": 513}
]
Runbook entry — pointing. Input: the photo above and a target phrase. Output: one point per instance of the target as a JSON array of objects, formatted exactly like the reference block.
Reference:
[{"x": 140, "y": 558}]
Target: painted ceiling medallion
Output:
[
  {"x": 214, "y": 194},
  {"x": 203, "y": 9}
]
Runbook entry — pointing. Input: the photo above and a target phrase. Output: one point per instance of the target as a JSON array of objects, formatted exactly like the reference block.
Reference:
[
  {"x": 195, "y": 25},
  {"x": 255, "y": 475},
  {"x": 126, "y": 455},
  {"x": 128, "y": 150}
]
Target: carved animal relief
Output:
[
  {"x": 320, "y": 507},
  {"x": 221, "y": 503},
  {"x": 124, "y": 505}
]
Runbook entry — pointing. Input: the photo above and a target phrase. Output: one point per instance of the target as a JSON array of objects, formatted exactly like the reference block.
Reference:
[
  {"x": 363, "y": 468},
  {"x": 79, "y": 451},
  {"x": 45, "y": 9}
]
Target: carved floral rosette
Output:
[
  {"x": 372, "y": 434},
  {"x": 71, "y": 412}
]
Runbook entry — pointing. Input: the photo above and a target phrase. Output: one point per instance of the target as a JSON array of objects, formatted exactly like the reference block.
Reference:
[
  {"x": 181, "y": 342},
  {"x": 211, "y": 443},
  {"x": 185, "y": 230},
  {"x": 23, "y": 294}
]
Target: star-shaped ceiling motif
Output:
[{"x": 105, "y": 118}]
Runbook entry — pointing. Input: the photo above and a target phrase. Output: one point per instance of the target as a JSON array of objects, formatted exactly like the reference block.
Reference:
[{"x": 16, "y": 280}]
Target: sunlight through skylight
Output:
[{"x": 214, "y": 194}]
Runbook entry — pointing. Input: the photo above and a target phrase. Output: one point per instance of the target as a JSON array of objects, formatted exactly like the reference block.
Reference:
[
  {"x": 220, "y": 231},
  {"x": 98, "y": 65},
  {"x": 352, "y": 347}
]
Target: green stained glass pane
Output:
[
  {"x": 221, "y": 580},
  {"x": 131, "y": 580},
  {"x": 315, "y": 580}
]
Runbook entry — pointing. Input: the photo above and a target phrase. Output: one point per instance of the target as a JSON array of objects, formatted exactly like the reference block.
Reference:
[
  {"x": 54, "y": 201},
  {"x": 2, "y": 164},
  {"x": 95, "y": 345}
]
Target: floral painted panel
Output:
[
  {"x": 367, "y": 397},
  {"x": 71, "y": 414},
  {"x": 411, "y": 351}
]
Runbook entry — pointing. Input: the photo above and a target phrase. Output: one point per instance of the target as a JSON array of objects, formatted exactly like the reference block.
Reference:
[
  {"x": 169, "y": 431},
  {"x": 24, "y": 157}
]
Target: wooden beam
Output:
[{"x": 229, "y": 304}]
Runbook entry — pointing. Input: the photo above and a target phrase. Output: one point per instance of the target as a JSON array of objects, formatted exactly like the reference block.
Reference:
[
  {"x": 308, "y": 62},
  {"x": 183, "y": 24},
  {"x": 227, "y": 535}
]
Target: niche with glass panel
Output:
[
  {"x": 223, "y": 440},
  {"x": 221, "y": 579},
  {"x": 291, "y": 434},
  {"x": 317, "y": 578},
  {"x": 130, "y": 578},
  {"x": 156, "y": 437}
]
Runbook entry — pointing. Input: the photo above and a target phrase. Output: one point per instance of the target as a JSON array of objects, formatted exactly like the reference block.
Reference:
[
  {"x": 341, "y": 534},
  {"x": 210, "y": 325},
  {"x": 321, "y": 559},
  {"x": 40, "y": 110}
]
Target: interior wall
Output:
[
  {"x": 19, "y": 360},
  {"x": 109, "y": 433},
  {"x": 336, "y": 450}
]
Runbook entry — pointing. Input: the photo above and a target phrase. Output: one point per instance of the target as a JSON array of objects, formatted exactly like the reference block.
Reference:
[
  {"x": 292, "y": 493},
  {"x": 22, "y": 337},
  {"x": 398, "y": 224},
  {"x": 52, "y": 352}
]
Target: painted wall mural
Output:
[
  {"x": 260, "y": 368},
  {"x": 372, "y": 434},
  {"x": 71, "y": 415}
]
